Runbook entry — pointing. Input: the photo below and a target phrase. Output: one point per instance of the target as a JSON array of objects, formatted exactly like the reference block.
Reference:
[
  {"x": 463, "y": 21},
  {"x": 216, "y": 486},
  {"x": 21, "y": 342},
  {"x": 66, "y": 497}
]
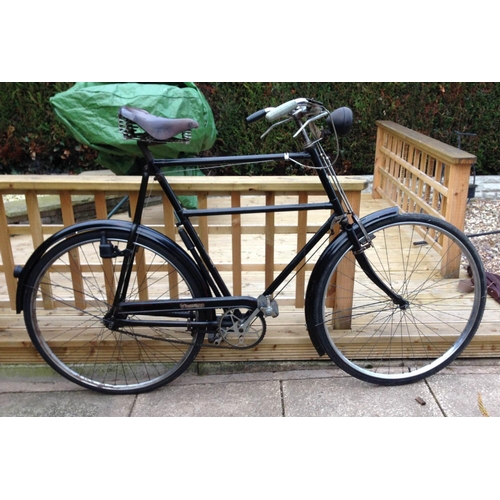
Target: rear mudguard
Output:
[
  {"x": 329, "y": 253},
  {"x": 68, "y": 232}
]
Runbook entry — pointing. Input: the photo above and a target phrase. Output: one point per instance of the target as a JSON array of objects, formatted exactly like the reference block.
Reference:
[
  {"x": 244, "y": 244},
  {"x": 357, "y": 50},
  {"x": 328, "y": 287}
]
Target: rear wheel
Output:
[
  {"x": 439, "y": 275},
  {"x": 70, "y": 292}
]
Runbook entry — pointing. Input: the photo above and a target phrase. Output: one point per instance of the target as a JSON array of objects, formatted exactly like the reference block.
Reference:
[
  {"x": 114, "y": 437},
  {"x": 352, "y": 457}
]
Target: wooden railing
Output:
[
  {"x": 233, "y": 241},
  {"x": 420, "y": 174}
]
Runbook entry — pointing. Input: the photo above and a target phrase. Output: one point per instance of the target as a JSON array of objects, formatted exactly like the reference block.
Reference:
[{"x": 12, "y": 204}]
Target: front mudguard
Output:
[
  {"x": 328, "y": 254},
  {"x": 23, "y": 273}
]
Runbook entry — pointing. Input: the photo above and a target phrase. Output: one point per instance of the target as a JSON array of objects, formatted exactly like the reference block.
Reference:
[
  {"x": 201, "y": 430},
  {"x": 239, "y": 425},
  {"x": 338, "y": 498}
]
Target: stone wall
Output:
[
  {"x": 488, "y": 187},
  {"x": 50, "y": 210}
]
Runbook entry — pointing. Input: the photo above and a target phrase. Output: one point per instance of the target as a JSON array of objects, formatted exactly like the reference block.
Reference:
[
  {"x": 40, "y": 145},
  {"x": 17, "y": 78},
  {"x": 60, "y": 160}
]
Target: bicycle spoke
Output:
[
  {"x": 383, "y": 342},
  {"x": 76, "y": 337}
]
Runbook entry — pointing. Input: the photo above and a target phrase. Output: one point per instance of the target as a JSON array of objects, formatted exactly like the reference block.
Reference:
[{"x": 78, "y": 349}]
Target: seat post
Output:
[
  {"x": 146, "y": 170},
  {"x": 128, "y": 255}
]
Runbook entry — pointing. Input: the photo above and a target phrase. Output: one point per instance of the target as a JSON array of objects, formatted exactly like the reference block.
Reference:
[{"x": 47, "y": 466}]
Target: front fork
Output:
[{"x": 359, "y": 248}]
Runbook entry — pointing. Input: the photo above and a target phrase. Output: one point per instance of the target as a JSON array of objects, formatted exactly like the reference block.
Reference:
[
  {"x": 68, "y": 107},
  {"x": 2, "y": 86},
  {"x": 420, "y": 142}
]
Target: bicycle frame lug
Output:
[{"x": 109, "y": 321}]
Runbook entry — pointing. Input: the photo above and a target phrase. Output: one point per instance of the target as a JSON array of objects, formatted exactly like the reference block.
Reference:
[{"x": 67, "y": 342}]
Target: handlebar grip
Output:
[
  {"x": 256, "y": 116},
  {"x": 284, "y": 109}
]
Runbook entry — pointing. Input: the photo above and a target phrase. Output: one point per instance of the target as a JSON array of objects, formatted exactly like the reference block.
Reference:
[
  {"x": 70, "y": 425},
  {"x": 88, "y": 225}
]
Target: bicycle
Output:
[{"x": 386, "y": 299}]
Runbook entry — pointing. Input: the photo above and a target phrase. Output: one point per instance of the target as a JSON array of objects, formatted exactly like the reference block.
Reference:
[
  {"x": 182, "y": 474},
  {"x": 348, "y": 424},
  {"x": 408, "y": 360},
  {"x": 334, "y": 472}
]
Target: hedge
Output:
[{"x": 32, "y": 141}]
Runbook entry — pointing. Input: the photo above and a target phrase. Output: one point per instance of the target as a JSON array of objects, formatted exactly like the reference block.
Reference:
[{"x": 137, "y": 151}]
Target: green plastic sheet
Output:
[{"x": 89, "y": 111}]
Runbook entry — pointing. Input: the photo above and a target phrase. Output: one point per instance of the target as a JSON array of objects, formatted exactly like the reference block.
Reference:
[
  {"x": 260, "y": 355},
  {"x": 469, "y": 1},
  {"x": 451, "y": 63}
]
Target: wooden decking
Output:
[{"x": 286, "y": 338}]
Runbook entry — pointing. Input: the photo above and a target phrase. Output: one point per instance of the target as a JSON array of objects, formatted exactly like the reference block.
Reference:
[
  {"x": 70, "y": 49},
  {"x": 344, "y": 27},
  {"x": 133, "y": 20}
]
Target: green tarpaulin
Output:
[{"x": 89, "y": 111}]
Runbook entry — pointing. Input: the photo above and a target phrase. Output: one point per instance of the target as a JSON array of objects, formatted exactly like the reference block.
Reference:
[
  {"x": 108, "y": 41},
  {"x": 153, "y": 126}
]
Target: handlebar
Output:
[
  {"x": 273, "y": 114},
  {"x": 284, "y": 109},
  {"x": 257, "y": 115},
  {"x": 339, "y": 122}
]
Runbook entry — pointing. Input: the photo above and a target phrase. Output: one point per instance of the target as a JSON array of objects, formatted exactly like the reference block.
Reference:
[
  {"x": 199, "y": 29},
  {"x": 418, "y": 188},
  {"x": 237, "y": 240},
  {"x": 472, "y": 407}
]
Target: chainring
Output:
[{"x": 233, "y": 331}]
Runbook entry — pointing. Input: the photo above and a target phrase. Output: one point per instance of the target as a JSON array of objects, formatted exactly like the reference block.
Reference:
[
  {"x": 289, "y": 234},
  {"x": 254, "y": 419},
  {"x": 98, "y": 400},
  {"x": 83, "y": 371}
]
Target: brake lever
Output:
[{"x": 274, "y": 125}]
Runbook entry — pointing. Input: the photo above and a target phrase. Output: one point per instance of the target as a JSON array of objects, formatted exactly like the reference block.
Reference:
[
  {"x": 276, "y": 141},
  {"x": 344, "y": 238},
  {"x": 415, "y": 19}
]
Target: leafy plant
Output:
[{"x": 31, "y": 140}]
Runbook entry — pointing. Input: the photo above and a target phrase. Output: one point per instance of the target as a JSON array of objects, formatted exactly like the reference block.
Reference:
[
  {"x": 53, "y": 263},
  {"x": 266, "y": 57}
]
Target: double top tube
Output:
[{"x": 189, "y": 234}]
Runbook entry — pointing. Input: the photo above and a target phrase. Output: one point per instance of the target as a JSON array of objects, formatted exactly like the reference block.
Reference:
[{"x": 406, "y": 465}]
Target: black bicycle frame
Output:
[
  {"x": 192, "y": 240},
  {"x": 222, "y": 296}
]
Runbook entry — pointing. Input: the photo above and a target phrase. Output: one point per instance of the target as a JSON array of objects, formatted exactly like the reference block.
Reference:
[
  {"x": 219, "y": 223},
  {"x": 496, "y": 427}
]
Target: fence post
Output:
[
  {"x": 7, "y": 256},
  {"x": 456, "y": 179},
  {"x": 379, "y": 160}
]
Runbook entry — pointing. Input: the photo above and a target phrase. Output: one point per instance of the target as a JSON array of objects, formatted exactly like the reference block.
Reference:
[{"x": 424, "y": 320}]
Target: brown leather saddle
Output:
[{"x": 158, "y": 128}]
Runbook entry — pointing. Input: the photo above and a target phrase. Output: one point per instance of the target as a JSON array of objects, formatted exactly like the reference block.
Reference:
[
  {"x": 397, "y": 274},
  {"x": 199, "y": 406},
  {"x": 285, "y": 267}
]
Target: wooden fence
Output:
[
  {"x": 247, "y": 249},
  {"x": 420, "y": 174},
  {"x": 231, "y": 257}
]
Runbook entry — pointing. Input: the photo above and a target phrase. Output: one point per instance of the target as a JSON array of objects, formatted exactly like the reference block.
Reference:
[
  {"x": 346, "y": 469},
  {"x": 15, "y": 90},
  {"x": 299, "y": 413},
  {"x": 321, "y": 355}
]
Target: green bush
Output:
[
  {"x": 435, "y": 109},
  {"x": 32, "y": 141}
]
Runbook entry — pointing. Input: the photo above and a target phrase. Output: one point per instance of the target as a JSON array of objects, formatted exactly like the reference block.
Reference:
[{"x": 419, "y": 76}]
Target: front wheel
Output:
[
  {"x": 427, "y": 262},
  {"x": 67, "y": 300}
]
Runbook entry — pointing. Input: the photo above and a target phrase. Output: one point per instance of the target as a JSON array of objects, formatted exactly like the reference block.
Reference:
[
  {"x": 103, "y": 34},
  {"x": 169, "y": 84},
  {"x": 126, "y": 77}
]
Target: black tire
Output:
[
  {"x": 378, "y": 341},
  {"x": 69, "y": 293}
]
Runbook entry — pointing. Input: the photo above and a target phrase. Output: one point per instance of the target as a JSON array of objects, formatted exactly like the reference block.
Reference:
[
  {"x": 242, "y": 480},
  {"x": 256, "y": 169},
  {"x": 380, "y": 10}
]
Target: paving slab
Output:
[
  {"x": 220, "y": 399},
  {"x": 64, "y": 404},
  {"x": 36, "y": 378},
  {"x": 467, "y": 395},
  {"x": 349, "y": 397},
  {"x": 470, "y": 389}
]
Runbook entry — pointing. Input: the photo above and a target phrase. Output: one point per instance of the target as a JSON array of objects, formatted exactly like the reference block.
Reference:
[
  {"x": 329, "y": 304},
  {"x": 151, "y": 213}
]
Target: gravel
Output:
[{"x": 484, "y": 216}]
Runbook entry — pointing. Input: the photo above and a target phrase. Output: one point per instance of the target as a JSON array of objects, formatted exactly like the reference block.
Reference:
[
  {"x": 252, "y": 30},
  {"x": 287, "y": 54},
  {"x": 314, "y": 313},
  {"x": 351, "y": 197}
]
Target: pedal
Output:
[
  {"x": 214, "y": 338},
  {"x": 268, "y": 306}
]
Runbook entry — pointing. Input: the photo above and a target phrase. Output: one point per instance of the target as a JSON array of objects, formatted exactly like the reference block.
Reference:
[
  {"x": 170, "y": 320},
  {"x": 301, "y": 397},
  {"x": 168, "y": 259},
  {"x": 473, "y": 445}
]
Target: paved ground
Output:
[{"x": 466, "y": 389}]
